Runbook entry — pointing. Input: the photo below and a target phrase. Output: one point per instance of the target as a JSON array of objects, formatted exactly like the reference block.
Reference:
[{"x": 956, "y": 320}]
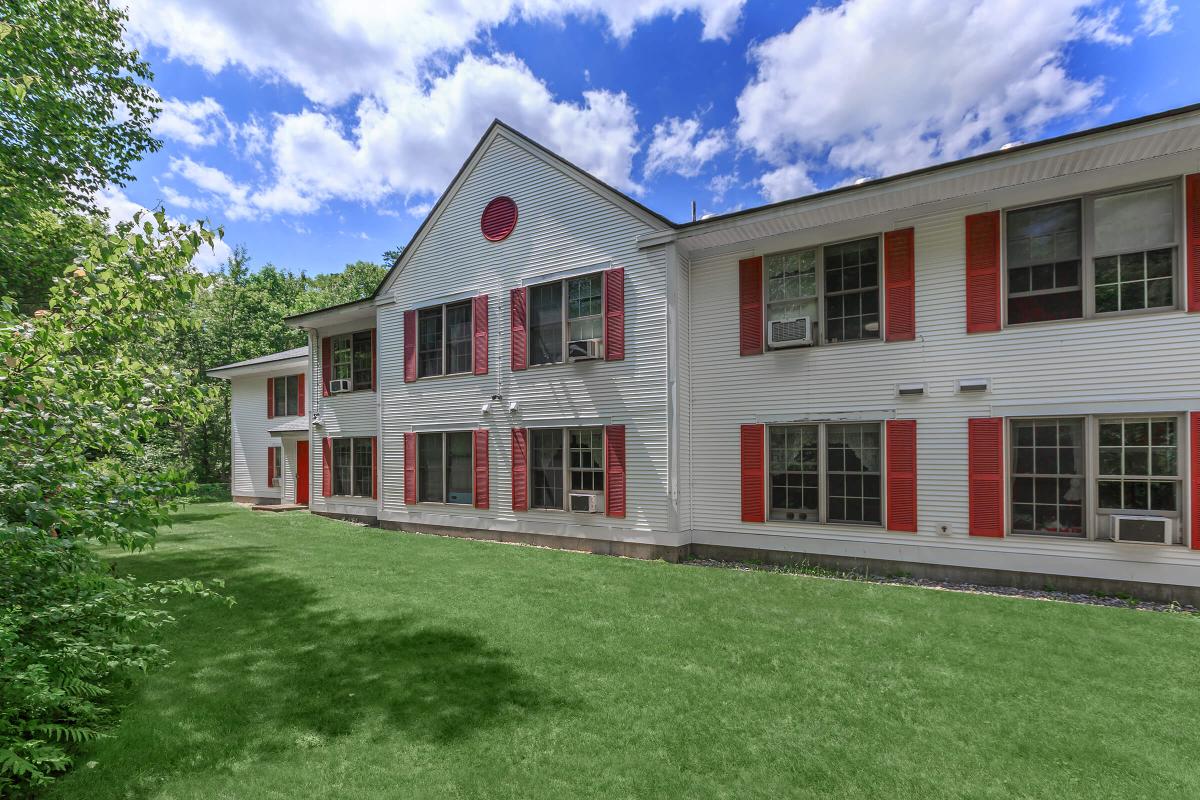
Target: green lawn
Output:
[{"x": 361, "y": 663}]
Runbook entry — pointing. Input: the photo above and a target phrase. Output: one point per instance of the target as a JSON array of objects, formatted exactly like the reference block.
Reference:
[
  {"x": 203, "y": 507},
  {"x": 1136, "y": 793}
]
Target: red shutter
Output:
[
  {"x": 270, "y": 466},
  {"x": 902, "y": 475},
  {"x": 326, "y": 467},
  {"x": 374, "y": 360},
  {"x": 1195, "y": 437},
  {"x": 480, "y": 313},
  {"x": 517, "y": 327},
  {"x": 614, "y": 470},
  {"x": 520, "y": 468},
  {"x": 750, "y": 303},
  {"x": 1192, "y": 247},
  {"x": 985, "y": 475},
  {"x": 374, "y": 467},
  {"x": 300, "y": 395},
  {"x": 410, "y": 346},
  {"x": 326, "y": 365},
  {"x": 483, "y": 487},
  {"x": 614, "y": 315},
  {"x": 983, "y": 272},
  {"x": 899, "y": 276},
  {"x": 271, "y": 397},
  {"x": 410, "y": 468},
  {"x": 753, "y": 470}
]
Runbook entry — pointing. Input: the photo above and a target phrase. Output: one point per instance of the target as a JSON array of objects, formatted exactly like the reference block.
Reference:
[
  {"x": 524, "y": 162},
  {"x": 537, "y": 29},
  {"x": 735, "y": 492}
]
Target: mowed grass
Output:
[{"x": 361, "y": 663}]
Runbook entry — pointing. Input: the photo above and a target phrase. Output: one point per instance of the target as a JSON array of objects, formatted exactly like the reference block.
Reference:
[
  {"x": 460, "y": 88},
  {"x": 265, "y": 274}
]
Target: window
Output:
[
  {"x": 1131, "y": 464},
  {"x": 276, "y": 466},
  {"x": 1094, "y": 255},
  {"x": 1139, "y": 464},
  {"x": 444, "y": 340},
  {"x": 842, "y": 460},
  {"x": 582, "y": 470},
  {"x": 445, "y": 468},
  {"x": 580, "y": 301},
  {"x": 352, "y": 469},
  {"x": 846, "y": 275},
  {"x": 1048, "y": 477},
  {"x": 352, "y": 359},
  {"x": 287, "y": 396}
]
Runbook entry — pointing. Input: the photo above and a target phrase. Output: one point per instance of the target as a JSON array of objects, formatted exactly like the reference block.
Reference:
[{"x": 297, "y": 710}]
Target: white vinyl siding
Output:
[{"x": 565, "y": 228}]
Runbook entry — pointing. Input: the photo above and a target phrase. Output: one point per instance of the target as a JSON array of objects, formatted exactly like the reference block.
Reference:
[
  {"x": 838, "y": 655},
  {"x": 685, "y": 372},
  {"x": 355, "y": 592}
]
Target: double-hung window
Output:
[
  {"x": 445, "y": 468},
  {"x": 835, "y": 286},
  {"x": 353, "y": 472},
  {"x": 276, "y": 466},
  {"x": 564, "y": 460},
  {"x": 1099, "y": 254},
  {"x": 826, "y": 472},
  {"x": 1070, "y": 475},
  {"x": 444, "y": 339},
  {"x": 287, "y": 396},
  {"x": 563, "y": 311},
  {"x": 352, "y": 359}
]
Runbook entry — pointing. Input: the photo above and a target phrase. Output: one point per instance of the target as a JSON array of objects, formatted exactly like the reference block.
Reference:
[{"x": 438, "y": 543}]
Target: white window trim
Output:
[
  {"x": 333, "y": 468},
  {"x": 469, "y": 301},
  {"x": 1087, "y": 254},
  {"x": 823, "y": 473},
  {"x": 565, "y": 441},
  {"x": 1092, "y": 515},
  {"x": 275, "y": 394},
  {"x": 564, "y": 321},
  {"x": 821, "y": 297},
  {"x": 444, "y": 435}
]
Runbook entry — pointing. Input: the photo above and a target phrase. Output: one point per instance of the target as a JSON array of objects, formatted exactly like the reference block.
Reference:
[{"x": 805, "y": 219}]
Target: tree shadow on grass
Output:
[{"x": 281, "y": 671}]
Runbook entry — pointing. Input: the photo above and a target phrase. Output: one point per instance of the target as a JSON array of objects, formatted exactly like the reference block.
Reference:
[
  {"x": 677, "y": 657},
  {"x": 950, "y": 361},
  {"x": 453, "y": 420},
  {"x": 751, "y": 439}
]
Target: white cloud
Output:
[
  {"x": 336, "y": 49},
  {"x": 120, "y": 208},
  {"x": 721, "y": 184},
  {"x": 233, "y": 197},
  {"x": 199, "y": 123},
  {"x": 1158, "y": 17},
  {"x": 680, "y": 146},
  {"x": 878, "y": 87}
]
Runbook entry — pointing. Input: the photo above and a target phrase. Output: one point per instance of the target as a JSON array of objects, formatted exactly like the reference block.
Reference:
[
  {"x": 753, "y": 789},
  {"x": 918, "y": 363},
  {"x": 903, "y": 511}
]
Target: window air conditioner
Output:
[
  {"x": 584, "y": 502},
  {"x": 1142, "y": 529},
  {"x": 789, "y": 332},
  {"x": 337, "y": 387},
  {"x": 583, "y": 350}
]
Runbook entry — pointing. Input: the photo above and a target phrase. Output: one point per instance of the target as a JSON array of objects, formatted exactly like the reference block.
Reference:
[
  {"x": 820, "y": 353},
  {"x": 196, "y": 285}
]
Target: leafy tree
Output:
[
  {"x": 75, "y": 115},
  {"x": 354, "y": 282},
  {"x": 82, "y": 391}
]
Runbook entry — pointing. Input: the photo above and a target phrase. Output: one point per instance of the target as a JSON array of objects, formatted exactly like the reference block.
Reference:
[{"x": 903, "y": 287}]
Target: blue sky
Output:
[{"x": 320, "y": 133}]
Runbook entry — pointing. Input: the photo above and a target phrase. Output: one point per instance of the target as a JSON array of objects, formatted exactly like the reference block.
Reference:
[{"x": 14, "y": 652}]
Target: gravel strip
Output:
[{"x": 952, "y": 586}]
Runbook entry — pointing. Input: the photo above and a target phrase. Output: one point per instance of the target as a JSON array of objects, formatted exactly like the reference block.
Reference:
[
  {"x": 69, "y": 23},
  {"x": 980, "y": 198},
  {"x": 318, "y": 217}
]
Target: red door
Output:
[{"x": 302, "y": 468}]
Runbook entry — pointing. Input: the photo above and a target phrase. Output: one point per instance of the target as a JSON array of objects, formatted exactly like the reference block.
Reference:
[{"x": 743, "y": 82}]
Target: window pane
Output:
[
  {"x": 1136, "y": 448},
  {"x": 460, "y": 484},
  {"x": 429, "y": 342},
  {"x": 1043, "y": 247},
  {"x": 795, "y": 480},
  {"x": 854, "y": 483},
  {"x": 343, "y": 454},
  {"x": 545, "y": 323},
  {"x": 546, "y": 468},
  {"x": 293, "y": 395},
  {"x": 429, "y": 468},
  {"x": 362, "y": 467},
  {"x": 1135, "y": 280},
  {"x": 279, "y": 398},
  {"x": 363, "y": 366},
  {"x": 1135, "y": 220},
  {"x": 1047, "y": 479},
  {"x": 852, "y": 290},
  {"x": 341, "y": 355},
  {"x": 458, "y": 335},
  {"x": 586, "y": 459}
]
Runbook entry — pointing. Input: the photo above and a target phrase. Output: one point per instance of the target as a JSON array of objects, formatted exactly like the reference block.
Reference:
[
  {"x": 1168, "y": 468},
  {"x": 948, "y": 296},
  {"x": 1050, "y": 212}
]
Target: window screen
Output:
[
  {"x": 429, "y": 468},
  {"x": 546, "y": 468},
  {"x": 791, "y": 285},
  {"x": 853, "y": 466},
  {"x": 795, "y": 476},
  {"x": 1135, "y": 253},
  {"x": 458, "y": 338},
  {"x": 460, "y": 482},
  {"x": 545, "y": 323}
]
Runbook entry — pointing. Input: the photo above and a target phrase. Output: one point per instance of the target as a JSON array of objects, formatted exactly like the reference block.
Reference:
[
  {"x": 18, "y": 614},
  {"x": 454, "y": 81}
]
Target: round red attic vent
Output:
[{"x": 499, "y": 219}]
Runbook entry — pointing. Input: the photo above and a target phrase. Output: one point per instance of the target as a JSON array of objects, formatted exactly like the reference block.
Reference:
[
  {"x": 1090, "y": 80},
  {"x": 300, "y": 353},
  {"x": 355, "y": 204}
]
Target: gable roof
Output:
[
  {"x": 271, "y": 358},
  {"x": 497, "y": 128}
]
